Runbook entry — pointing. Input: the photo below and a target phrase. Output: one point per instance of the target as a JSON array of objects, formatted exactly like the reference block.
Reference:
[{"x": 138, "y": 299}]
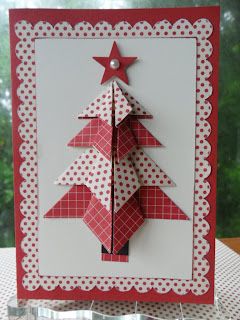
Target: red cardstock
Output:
[{"x": 133, "y": 16}]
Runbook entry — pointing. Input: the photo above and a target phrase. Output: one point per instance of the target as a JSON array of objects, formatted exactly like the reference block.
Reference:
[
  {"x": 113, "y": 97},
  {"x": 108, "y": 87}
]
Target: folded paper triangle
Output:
[
  {"x": 155, "y": 204},
  {"x": 78, "y": 172},
  {"x": 99, "y": 221},
  {"x": 124, "y": 105},
  {"x": 138, "y": 111},
  {"x": 149, "y": 174},
  {"x": 125, "y": 182},
  {"x": 121, "y": 104},
  {"x": 121, "y": 226},
  {"x": 143, "y": 137},
  {"x": 101, "y": 107},
  {"x": 93, "y": 170},
  {"x": 85, "y": 138},
  {"x": 73, "y": 204},
  {"x": 103, "y": 140}
]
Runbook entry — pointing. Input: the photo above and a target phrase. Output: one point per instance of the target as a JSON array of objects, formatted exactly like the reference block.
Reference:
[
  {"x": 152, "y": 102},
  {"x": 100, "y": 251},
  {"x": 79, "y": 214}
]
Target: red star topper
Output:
[{"x": 115, "y": 65}]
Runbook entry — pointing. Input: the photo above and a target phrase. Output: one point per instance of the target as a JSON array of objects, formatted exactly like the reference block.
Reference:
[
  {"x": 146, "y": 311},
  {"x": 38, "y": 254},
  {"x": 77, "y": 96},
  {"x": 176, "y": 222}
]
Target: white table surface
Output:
[{"x": 227, "y": 284}]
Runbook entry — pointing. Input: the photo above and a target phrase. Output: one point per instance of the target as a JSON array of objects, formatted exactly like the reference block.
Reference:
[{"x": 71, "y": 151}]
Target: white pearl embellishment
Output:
[{"x": 114, "y": 64}]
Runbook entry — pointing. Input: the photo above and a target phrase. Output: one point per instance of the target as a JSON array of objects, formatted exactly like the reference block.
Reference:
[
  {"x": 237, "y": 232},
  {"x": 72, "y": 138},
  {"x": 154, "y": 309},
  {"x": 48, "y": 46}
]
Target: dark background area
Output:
[{"x": 228, "y": 195}]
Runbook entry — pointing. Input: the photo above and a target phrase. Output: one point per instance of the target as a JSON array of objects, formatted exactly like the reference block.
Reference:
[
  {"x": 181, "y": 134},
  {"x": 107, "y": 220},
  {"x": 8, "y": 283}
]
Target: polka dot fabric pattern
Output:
[{"x": 26, "y": 33}]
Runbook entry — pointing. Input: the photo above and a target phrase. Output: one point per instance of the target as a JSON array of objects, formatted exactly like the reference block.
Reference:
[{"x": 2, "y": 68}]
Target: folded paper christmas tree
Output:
[{"x": 115, "y": 184}]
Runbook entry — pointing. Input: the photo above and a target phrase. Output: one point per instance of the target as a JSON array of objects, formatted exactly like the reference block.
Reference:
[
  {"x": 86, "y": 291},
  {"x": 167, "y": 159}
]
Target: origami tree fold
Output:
[{"x": 115, "y": 185}]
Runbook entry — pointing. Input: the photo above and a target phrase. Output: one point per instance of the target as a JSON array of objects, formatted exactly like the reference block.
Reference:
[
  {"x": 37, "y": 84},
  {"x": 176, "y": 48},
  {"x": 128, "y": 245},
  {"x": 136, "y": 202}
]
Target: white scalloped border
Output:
[{"x": 27, "y": 33}]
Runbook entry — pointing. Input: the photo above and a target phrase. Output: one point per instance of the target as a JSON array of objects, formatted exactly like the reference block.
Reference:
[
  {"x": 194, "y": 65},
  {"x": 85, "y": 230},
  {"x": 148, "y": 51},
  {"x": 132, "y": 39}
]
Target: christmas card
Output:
[{"x": 115, "y": 129}]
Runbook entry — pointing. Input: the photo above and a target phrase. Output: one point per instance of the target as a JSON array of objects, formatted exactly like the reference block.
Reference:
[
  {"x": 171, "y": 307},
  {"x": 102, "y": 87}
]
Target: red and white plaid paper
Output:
[
  {"x": 114, "y": 257},
  {"x": 103, "y": 140},
  {"x": 125, "y": 140},
  {"x": 125, "y": 223},
  {"x": 72, "y": 205},
  {"x": 155, "y": 204},
  {"x": 143, "y": 137},
  {"x": 85, "y": 138},
  {"x": 99, "y": 220}
]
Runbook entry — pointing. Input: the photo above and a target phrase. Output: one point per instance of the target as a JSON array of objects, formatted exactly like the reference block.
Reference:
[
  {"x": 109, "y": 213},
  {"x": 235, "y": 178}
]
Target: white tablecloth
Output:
[{"x": 227, "y": 284}]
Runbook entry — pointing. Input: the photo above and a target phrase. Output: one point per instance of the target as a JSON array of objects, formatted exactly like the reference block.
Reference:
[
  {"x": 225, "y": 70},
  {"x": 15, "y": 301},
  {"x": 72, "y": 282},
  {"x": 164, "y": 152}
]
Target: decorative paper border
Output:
[{"x": 26, "y": 34}]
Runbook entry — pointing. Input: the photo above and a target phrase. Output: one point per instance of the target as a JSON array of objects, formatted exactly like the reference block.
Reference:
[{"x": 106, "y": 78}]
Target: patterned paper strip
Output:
[
  {"x": 114, "y": 257},
  {"x": 125, "y": 223},
  {"x": 125, "y": 140},
  {"x": 142, "y": 136},
  {"x": 155, "y": 204},
  {"x": 149, "y": 174},
  {"x": 85, "y": 137},
  {"x": 101, "y": 107},
  {"x": 99, "y": 220},
  {"x": 72, "y": 205}
]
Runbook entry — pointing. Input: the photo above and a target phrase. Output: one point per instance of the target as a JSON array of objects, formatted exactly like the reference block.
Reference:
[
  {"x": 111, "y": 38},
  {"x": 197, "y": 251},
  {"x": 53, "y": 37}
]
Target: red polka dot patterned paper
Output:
[
  {"x": 101, "y": 107},
  {"x": 126, "y": 182},
  {"x": 137, "y": 110}
]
